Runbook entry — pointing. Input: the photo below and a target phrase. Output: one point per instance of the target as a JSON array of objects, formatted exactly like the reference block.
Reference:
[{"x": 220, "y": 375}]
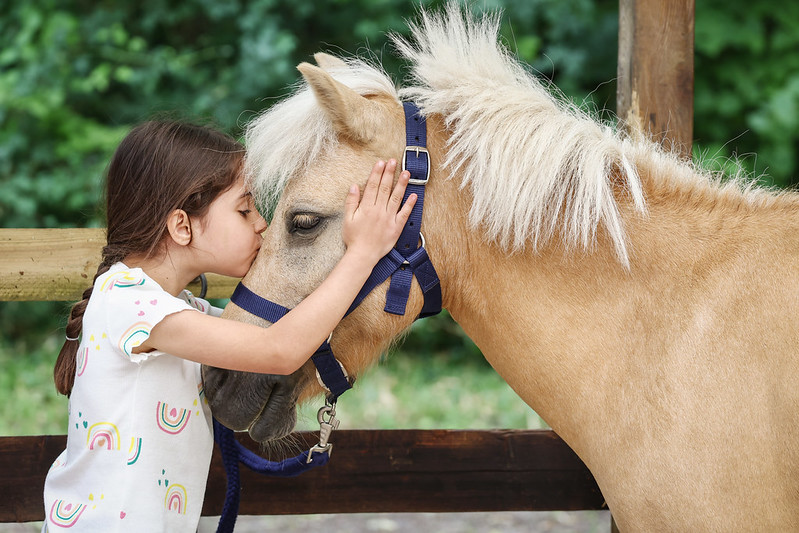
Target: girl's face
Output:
[{"x": 227, "y": 239}]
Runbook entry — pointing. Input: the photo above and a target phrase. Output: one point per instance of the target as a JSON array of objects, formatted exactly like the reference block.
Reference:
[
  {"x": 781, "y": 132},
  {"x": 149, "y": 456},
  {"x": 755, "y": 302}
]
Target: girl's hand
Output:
[{"x": 373, "y": 225}]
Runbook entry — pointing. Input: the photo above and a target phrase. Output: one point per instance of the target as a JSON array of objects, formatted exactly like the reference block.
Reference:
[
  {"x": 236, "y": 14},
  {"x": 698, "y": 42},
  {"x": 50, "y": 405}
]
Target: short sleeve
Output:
[
  {"x": 135, "y": 303},
  {"x": 202, "y": 305}
]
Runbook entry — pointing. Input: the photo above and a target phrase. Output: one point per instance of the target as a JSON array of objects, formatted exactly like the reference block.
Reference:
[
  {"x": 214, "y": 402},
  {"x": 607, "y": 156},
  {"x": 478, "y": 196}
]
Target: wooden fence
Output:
[
  {"x": 371, "y": 471},
  {"x": 381, "y": 471}
]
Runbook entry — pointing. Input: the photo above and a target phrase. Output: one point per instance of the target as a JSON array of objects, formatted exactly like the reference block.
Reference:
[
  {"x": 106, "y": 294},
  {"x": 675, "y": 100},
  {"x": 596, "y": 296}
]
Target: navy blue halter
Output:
[{"x": 406, "y": 260}]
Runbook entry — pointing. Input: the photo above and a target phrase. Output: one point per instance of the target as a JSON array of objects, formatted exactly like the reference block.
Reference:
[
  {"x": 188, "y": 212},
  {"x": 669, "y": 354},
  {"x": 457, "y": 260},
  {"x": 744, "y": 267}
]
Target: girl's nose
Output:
[{"x": 260, "y": 224}]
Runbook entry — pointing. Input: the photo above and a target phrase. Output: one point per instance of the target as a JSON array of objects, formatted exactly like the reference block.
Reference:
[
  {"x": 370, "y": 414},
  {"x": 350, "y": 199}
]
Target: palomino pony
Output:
[{"x": 648, "y": 312}]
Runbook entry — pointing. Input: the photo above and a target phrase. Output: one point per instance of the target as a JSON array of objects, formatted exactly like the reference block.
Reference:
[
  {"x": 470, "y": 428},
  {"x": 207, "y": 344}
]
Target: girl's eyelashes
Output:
[{"x": 245, "y": 212}]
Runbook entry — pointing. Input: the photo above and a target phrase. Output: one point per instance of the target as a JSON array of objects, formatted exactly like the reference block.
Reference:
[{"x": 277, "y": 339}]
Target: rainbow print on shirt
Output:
[
  {"x": 122, "y": 280},
  {"x": 172, "y": 421},
  {"x": 134, "y": 451},
  {"x": 103, "y": 435},
  {"x": 134, "y": 336},
  {"x": 176, "y": 499},
  {"x": 65, "y": 514},
  {"x": 83, "y": 360}
]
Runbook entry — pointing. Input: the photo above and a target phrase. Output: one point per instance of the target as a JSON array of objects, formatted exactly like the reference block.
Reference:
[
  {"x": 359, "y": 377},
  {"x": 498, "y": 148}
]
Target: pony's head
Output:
[
  {"x": 489, "y": 120},
  {"x": 304, "y": 153}
]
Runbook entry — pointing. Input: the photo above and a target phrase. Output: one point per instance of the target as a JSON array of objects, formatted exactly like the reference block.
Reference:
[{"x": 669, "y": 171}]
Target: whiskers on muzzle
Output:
[{"x": 285, "y": 447}]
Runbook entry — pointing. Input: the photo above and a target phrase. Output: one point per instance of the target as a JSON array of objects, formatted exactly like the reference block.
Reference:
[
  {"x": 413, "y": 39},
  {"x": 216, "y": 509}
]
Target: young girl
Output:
[{"x": 140, "y": 439}]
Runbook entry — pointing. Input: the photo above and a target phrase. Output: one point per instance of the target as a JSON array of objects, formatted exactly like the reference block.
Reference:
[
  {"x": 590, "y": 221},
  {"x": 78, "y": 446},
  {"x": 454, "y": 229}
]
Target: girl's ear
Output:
[{"x": 179, "y": 227}]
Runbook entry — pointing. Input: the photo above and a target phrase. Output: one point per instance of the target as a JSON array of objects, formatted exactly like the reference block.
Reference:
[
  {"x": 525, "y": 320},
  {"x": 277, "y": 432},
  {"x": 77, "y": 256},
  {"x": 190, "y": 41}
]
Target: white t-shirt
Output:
[{"x": 140, "y": 435}]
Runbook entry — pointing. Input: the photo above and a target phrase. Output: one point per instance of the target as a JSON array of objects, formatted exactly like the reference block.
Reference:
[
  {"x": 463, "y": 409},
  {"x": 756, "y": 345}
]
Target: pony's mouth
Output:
[
  {"x": 265, "y": 405},
  {"x": 277, "y": 418}
]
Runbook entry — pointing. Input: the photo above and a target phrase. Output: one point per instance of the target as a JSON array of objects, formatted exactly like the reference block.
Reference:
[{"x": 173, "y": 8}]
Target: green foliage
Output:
[
  {"x": 76, "y": 75},
  {"x": 747, "y": 85}
]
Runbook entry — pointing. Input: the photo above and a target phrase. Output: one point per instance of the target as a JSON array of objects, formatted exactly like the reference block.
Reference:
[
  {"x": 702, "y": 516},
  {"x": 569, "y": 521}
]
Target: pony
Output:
[{"x": 647, "y": 309}]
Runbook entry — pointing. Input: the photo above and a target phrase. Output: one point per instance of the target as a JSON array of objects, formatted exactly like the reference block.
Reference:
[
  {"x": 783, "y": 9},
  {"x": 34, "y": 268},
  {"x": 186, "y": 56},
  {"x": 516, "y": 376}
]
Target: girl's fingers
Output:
[
  {"x": 386, "y": 181},
  {"x": 372, "y": 184},
  {"x": 405, "y": 212},
  {"x": 399, "y": 191},
  {"x": 352, "y": 201}
]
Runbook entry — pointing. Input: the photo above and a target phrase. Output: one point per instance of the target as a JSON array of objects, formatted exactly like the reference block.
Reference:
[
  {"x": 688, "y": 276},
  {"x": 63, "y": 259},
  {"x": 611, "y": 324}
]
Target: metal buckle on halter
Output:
[
  {"x": 416, "y": 149},
  {"x": 326, "y": 427}
]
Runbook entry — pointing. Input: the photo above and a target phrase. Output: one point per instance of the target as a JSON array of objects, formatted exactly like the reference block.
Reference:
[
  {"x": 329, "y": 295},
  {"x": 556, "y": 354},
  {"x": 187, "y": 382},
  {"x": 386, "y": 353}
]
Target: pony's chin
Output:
[{"x": 269, "y": 428}]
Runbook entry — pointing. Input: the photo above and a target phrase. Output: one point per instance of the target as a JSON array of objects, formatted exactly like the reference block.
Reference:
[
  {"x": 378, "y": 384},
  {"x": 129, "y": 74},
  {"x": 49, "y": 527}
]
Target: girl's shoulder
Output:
[
  {"x": 121, "y": 276},
  {"x": 123, "y": 283}
]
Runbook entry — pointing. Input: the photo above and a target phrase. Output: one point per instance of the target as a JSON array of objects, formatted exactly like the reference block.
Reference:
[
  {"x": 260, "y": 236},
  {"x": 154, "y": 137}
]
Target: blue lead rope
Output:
[{"x": 234, "y": 452}]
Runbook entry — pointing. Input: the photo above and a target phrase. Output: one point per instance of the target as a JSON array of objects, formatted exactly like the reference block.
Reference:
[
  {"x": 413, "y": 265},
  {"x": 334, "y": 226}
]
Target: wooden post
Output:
[{"x": 656, "y": 70}]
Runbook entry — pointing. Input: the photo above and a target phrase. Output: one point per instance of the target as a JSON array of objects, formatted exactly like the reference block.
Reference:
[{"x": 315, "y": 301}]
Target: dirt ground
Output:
[{"x": 505, "y": 522}]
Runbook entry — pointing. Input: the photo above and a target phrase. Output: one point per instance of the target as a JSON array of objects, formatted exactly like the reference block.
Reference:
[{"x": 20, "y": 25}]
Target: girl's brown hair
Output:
[{"x": 159, "y": 167}]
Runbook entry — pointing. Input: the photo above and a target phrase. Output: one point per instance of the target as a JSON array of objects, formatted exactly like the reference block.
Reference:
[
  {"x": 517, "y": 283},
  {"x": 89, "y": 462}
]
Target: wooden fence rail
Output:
[
  {"x": 59, "y": 264},
  {"x": 370, "y": 471}
]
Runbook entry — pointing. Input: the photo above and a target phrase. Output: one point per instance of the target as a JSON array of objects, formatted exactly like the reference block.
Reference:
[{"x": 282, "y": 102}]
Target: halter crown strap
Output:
[
  {"x": 408, "y": 259},
  {"x": 415, "y": 160}
]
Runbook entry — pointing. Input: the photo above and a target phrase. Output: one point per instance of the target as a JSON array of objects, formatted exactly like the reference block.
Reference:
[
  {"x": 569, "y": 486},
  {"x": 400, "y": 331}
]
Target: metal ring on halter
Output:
[{"x": 421, "y": 235}]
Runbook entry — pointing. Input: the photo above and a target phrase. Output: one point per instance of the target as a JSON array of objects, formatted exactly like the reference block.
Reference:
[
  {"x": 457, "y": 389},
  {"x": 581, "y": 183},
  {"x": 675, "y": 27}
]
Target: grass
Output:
[
  {"x": 407, "y": 392},
  {"x": 29, "y": 404},
  {"x": 404, "y": 391}
]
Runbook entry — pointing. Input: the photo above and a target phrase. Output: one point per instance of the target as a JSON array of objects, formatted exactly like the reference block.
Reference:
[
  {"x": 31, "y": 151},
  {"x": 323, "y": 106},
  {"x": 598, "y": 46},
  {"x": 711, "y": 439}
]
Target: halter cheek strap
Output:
[{"x": 408, "y": 258}]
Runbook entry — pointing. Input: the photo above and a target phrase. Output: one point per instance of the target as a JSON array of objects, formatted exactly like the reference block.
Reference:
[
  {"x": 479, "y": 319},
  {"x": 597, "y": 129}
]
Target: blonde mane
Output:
[{"x": 536, "y": 165}]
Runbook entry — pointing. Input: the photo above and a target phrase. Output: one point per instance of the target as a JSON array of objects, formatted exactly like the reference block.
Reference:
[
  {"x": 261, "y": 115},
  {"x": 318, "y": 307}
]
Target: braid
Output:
[{"x": 66, "y": 364}]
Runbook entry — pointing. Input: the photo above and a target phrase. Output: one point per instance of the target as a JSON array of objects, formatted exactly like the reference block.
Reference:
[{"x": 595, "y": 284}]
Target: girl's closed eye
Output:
[{"x": 245, "y": 212}]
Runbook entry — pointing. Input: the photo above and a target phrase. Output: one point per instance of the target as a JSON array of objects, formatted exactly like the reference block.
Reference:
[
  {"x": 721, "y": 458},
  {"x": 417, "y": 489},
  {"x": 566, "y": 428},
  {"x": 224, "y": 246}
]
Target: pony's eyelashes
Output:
[{"x": 305, "y": 223}]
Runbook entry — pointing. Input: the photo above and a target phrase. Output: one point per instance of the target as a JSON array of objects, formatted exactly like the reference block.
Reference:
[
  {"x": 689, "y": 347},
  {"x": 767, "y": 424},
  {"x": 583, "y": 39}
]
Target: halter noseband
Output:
[{"x": 406, "y": 260}]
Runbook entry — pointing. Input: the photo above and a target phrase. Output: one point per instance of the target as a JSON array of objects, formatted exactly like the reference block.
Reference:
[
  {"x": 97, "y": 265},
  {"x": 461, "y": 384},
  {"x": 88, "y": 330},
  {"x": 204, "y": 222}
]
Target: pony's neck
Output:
[{"x": 562, "y": 337}]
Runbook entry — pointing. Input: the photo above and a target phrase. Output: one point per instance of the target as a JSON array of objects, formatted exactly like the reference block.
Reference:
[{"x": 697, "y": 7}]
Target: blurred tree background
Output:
[{"x": 75, "y": 75}]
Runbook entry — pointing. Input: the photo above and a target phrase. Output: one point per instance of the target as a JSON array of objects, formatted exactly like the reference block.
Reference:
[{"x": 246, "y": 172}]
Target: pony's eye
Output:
[{"x": 304, "y": 222}]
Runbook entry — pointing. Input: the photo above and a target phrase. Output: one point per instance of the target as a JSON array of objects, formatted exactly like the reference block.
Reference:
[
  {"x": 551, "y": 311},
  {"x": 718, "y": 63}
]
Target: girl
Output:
[{"x": 140, "y": 439}]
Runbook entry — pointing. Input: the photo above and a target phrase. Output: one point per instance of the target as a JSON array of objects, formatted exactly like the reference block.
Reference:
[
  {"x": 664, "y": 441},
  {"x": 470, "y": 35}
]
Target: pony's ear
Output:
[
  {"x": 352, "y": 115},
  {"x": 328, "y": 62}
]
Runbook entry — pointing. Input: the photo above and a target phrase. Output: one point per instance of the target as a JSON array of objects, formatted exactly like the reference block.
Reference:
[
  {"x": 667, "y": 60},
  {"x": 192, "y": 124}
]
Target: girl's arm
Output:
[{"x": 371, "y": 227}]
